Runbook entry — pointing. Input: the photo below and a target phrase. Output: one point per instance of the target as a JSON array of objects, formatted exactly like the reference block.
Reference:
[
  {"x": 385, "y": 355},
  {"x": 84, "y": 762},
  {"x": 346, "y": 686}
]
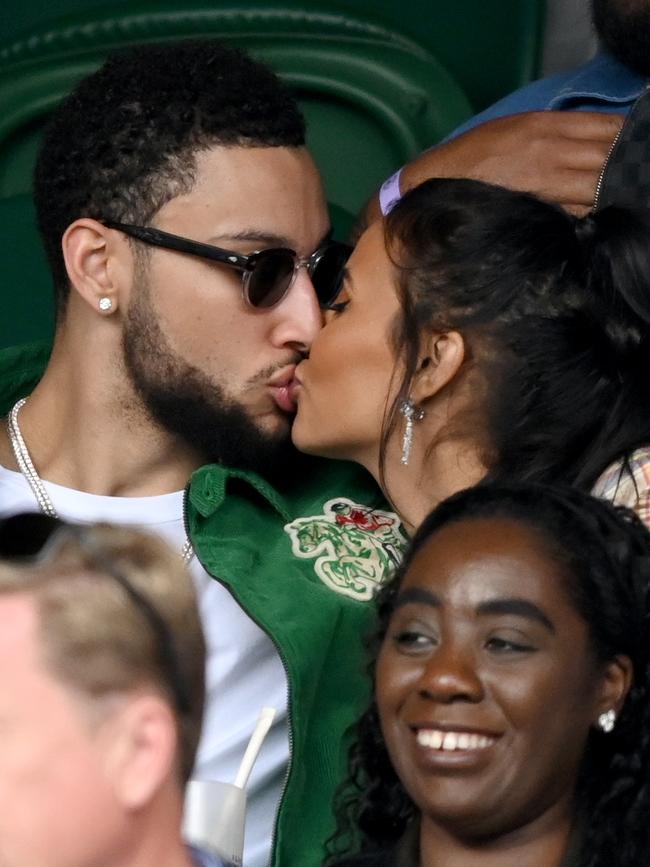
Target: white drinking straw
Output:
[{"x": 264, "y": 722}]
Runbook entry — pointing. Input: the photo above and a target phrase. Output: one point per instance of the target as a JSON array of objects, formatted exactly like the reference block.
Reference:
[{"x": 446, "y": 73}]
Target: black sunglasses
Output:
[
  {"x": 31, "y": 537},
  {"x": 267, "y": 275}
]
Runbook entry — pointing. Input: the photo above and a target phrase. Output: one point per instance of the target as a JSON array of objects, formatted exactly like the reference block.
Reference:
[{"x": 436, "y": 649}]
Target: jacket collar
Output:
[
  {"x": 208, "y": 489},
  {"x": 604, "y": 79}
]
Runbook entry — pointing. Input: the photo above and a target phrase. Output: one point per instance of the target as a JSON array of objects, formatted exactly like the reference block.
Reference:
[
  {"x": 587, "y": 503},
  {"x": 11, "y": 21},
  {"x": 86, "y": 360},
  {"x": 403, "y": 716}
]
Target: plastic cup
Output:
[{"x": 214, "y": 816}]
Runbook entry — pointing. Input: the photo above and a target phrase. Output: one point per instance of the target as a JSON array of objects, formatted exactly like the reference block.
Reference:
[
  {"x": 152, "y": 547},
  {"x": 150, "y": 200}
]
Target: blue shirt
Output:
[{"x": 602, "y": 84}]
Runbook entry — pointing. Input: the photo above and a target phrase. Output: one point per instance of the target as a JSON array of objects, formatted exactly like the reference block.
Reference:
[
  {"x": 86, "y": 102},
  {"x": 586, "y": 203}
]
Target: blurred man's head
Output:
[
  {"x": 624, "y": 29},
  {"x": 96, "y": 741}
]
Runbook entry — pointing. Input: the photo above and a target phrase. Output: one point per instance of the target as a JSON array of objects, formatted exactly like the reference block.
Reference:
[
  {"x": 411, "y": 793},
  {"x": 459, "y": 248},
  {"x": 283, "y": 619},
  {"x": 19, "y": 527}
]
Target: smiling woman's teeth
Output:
[{"x": 451, "y": 741}]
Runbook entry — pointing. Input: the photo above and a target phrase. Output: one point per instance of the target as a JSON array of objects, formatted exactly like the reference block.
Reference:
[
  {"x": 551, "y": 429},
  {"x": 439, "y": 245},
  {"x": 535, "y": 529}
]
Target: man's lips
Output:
[{"x": 282, "y": 388}]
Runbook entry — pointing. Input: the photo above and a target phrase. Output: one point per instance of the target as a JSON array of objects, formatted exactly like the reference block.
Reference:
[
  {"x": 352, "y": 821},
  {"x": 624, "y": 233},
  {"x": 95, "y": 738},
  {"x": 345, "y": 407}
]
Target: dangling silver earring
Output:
[
  {"x": 411, "y": 414},
  {"x": 607, "y": 721},
  {"x": 105, "y": 305}
]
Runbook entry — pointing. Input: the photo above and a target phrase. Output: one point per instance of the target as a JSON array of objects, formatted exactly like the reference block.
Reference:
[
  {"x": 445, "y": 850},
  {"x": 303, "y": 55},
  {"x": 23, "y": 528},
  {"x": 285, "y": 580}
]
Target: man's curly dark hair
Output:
[
  {"x": 604, "y": 552},
  {"x": 125, "y": 140}
]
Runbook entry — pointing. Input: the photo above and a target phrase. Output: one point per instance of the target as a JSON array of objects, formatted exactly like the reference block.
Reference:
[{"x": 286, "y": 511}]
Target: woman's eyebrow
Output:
[
  {"x": 417, "y": 594},
  {"x": 518, "y": 607},
  {"x": 506, "y": 605}
]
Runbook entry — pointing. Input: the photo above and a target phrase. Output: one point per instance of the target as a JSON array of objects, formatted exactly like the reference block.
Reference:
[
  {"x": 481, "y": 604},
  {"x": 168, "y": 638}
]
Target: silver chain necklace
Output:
[{"x": 27, "y": 468}]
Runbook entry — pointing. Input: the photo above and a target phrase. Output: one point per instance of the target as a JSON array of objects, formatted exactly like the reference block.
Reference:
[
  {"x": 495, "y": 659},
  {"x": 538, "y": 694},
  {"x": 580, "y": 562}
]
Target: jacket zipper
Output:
[
  {"x": 286, "y": 672},
  {"x": 601, "y": 176}
]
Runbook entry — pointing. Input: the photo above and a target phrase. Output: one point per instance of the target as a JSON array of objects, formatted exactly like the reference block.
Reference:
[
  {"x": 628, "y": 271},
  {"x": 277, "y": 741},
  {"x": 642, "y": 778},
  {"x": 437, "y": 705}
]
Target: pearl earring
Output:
[
  {"x": 105, "y": 305},
  {"x": 411, "y": 414},
  {"x": 607, "y": 720}
]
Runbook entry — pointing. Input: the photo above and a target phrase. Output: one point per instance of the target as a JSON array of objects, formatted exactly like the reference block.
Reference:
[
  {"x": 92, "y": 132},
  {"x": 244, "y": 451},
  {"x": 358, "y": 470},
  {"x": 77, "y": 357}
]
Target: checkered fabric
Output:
[
  {"x": 625, "y": 488},
  {"x": 626, "y": 175}
]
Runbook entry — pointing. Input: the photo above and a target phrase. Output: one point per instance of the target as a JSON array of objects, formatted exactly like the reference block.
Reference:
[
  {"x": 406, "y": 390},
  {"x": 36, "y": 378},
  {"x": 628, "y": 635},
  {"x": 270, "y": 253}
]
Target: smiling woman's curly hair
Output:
[{"x": 605, "y": 553}]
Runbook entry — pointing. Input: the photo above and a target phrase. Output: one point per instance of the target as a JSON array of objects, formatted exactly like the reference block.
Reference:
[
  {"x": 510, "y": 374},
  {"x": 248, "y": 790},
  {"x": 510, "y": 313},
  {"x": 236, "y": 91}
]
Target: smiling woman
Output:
[{"x": 512, "y": 702}]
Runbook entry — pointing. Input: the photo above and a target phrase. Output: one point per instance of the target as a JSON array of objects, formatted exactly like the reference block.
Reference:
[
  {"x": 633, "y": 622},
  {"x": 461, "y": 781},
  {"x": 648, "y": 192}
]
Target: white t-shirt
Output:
[{"x": 244, "y": 671}]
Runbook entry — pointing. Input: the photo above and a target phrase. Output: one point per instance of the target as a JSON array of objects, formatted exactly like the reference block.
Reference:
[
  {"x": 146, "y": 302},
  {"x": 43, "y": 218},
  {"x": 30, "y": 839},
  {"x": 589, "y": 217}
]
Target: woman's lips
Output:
[
  {"x": 294, "y": 390},
  {"x": 450, "y": 741},
  {"x": 451, "y": 746}
]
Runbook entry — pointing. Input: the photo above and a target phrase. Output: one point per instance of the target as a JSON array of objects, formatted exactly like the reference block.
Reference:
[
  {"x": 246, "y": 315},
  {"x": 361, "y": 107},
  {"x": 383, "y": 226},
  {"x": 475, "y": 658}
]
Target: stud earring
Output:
[
  {"x": 607, "y": 720},
  {"x": 411, "y": 414},
  {"x": 105, "y": 305}
]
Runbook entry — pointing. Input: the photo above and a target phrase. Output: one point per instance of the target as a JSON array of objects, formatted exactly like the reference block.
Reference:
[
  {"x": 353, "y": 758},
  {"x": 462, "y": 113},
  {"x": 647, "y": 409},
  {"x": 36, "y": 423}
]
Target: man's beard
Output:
[
  {"x": 183, "y": 401},
  {"x": 624, "y": 29}
]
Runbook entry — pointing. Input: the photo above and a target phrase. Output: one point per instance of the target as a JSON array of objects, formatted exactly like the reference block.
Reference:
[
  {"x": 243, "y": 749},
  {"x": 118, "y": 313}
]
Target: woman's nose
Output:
[{"x": 451, "y": 674}]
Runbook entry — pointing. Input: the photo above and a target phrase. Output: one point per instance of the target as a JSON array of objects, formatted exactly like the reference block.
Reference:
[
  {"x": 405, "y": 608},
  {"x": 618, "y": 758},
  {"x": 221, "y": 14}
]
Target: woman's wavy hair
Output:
[
  {"x": 555, "y": 314},
  {"x": 603, "y": 553}
]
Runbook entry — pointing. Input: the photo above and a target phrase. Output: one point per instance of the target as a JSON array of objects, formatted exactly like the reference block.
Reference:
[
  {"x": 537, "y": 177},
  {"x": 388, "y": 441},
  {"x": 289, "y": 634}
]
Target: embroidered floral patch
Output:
[{"x": 355, "y": 548}]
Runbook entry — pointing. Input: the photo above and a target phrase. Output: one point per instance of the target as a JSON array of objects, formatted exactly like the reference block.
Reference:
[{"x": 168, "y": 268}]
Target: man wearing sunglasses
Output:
[
  {"x": 102, "y": 688},
  {"x": 190, "y": 248}
]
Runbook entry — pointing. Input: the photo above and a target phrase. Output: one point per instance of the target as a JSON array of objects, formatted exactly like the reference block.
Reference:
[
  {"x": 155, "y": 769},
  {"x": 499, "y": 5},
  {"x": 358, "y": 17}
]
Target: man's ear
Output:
[
  {"x": 143, "y": 750},
  {"x": 97, "y": 261},
  {"x": 616, "y": 681},
  {"x": 441, "y": 358}
]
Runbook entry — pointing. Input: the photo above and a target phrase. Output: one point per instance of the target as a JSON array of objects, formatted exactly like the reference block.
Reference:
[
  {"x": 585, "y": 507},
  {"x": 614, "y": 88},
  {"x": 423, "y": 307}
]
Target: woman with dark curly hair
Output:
[
  {"x": 480, "y": 332},
  {"x": 511, "y": 718}
]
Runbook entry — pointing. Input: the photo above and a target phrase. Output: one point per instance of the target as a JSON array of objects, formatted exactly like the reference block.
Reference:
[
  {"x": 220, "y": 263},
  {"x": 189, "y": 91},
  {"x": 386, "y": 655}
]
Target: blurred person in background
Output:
[
  {"x": 101, "y": 696},
  {"x": 530, "y": 140}
]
